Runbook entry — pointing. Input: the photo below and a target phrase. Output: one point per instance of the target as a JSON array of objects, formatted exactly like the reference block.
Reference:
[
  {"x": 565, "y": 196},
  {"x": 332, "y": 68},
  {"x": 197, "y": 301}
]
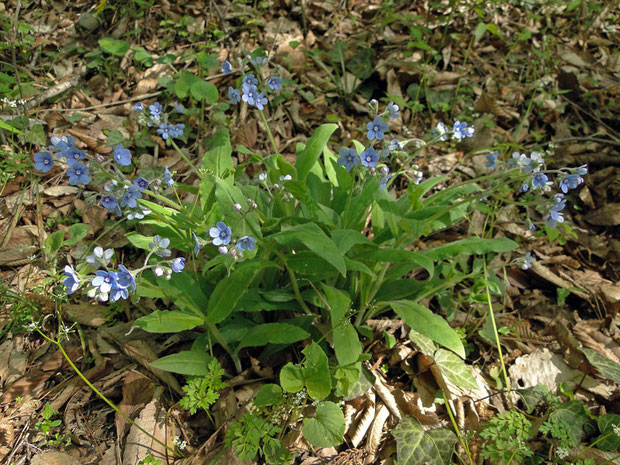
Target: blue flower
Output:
[
  {"x": 159, "y": 246},
  {"x": 258, "y": 61},
  {"x": 197, "y": 245},
  {"x": 528, "y": 259},
  {"x": 461, "y": 130},
  {"x": 155, "y": 109},
  {"x": 130, "y": 197},
  {"x": 582, "y": 170},
  {"x": 441, "y": 131},
  {"x": 226, "y": 67},
  {"x": 141, "y": 184},
  {"x": 118, "y": 293},
  {"x": 376, "y": 129},
  {"x": 100, "y": 256},
  {"x": 104, "y": 281},
  {"x": 167, "y": 177},
  {"x": 384, "y": 180},
  {"x": 43, "y": 161},
  {"x": 524, "y": 187},
  {"x": 348, "y": 158},
  {"x": 178, "y": 107},
  {"x": 570, "y": 182},
  {"x": 72, "y": 154},
  {"x": 392, "y": 109},
  {"x": 163, "y": 130},
  {"x": 250, "y": 96},
  {"x": 125, "y": 278},
  {"x": 78, "y": 174},
  {"x": 540, "y": 180},
  {"x": 178, "y": 264},
  {"x": 234, "y": 95},
  {"x": 261, "y": 100},
  {"x": 138, "y": 107},
  {"x": 274, "y": 82},
  {"x": 531, "y": 164},
  {"x": 249, "y": 82},
  {"x": 122, "y": 156},
  {"x": 554, "y": 214},
  {"x": 220, "y": 234},
  {"x": 492, "y": 160},
  {"x": 394, "y": 145},
  {"x": 245, "y": 243},
  {"x": 138, "y": 213},
  {"x": 370, "y": 157},
  {"x": 61, "y": 143},
  {"x": 72, "y": 281},
  {"x": 109, "y": 202}
]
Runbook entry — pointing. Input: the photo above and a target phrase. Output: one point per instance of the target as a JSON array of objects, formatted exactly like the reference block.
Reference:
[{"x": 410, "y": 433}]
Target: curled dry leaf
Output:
[
  {"x": 365, "y": 422},
  {"x": 374, "y": 437}
]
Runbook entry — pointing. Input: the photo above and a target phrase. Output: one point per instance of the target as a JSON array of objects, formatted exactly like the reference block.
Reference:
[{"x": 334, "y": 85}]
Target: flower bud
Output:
[
  {"x": 238, "y": 207},
  {"x": 159, "y": 271},
  {"x": 223, "y": 249}
]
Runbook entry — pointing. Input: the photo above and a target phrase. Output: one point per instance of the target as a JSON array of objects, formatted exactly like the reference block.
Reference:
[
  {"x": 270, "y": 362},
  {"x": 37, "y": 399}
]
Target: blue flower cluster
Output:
[
  {"x": 249, "y": 91},
  {"x": 459, "y": 131},
  {"x": 221, "y": 237},
  {"x": 65, "y": 148},
  {"x": 111, "y": 285},
  {"x": 370, "y": 157},
  {"x": 155, "y": 117}
]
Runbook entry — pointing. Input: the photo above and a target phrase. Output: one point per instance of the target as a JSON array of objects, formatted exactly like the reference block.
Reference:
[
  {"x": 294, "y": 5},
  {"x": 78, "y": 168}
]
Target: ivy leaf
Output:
[
  {"x": 572, "y": 415},
  {"x": 453, "y": 368},
  {"x": 415, "y": 446},
  {"x": 606, "y": 424},
  {"x": 607, "y": 368},
  {"x": 326, "y": 429}
]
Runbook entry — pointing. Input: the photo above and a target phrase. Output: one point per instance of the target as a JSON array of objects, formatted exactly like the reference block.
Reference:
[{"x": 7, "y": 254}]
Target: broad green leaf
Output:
[
  {"x": 315, "y": 145},
  {"x": 8, "y": 127},
  {"x": 414, "y": 446},
  {"x": 307, "y": 263},
  {"x": 273, "y": 333},
  {"x": 204, "y": 90},
  {"x": 142, "y": 56},
  {"x": 398, "y": 256},
  {"x": 573, "y": 415},
  {"x": 228, "y": 291},
  {"x": 190, "y": 362},
  {"x": 355, "y": 215},
  {"x": 481, "y": 28},
  {"x": 168, "y": 321},
  {"x": 291, "y": 378},
  {"x": 532, "y": 396},
  {"x": 327, "y": 427},
  {"x": 268, "y": 395},
  {"x": 53, "y": 243},
  {"x": 316, "y": 372},
  {"x": 227, "y": 196},
  {"x": 347, "y": 378},
  {"x": 470, "y": 246},
  {"x": 346, "y": 341},
  {"x": 425, "y": 344},
  {"x": 347, "y": 238},
  {"x": 313, "y": 237},
  {"x": 609, "y": 438},
  {"x": 607, "y": 368},
  {"x": 425, "y": 322},
  {"x": 453, "y": 368},
  {"x": 218, "y": 159},
  {"x": 184, "y": 83},
  {"x": 78, "y": 232},
  {"x": 114, "y": 46}
]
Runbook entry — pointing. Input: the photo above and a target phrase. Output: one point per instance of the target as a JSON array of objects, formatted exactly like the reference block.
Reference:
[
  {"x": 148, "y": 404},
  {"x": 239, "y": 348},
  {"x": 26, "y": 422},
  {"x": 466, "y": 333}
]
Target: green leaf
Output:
[
  {"x": 425, "y": 322},
  {"x": 184, "y": 83},
  {"x": 315, "y": 145},
  {"x": 425, "y": 344},
  {"x": 78, "y": 232},
  {"x": 204, "y": 90},
  {"x": 327, "y": 427},
  {"x": 168, "y": 321},
  {"x": 399, "y": 256},
  {"x": 291, "y": 378},
  {"x": 481, "y": 28},
  {"x": 53, "y": 243},
  {"x": 574, "y": 416},
  {"x": 189, "y": 362},
  {"x": 346, "y": 341},
  {"x": 607, "y": 368},
  {"x": 274, "y": 333},
  {"x": 142, "y": 56},
  {"x": 228, "y": 291},
  {"x": 316, "y": 372},
  {"x": 347, "y": 238},
  {"x": 355, "y": 215},
  {"x": 218, "y": 159},
  {"x": 470, "y": 246},
  {"x": 606, "y": 424},
  {"x": 313, "y": 237},
  {"x": 113, "y": 46},
  {"x": 453, "y": 368},
  {"x": 415, "y": 446},
  {"x": 268, "y": 395}
]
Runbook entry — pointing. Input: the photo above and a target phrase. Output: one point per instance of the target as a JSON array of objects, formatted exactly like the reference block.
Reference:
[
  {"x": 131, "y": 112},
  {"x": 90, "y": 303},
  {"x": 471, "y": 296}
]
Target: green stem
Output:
[
  {"x": 602, "y": 438},
  {"x": 291, "y": 274},
  {"x": 492, "y": 315},
  {"x": 187, "y": 160},
  {"x": 103, "y": 397},
  {"x": 456, "y": 428},
  {"x": 273, "y": 141},
  {"x": 220, "y": 340}
]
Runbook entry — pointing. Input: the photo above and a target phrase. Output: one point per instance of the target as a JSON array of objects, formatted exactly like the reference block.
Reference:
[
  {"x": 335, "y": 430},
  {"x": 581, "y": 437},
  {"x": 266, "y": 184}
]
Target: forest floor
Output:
[{"x": 530, "y": 75}]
